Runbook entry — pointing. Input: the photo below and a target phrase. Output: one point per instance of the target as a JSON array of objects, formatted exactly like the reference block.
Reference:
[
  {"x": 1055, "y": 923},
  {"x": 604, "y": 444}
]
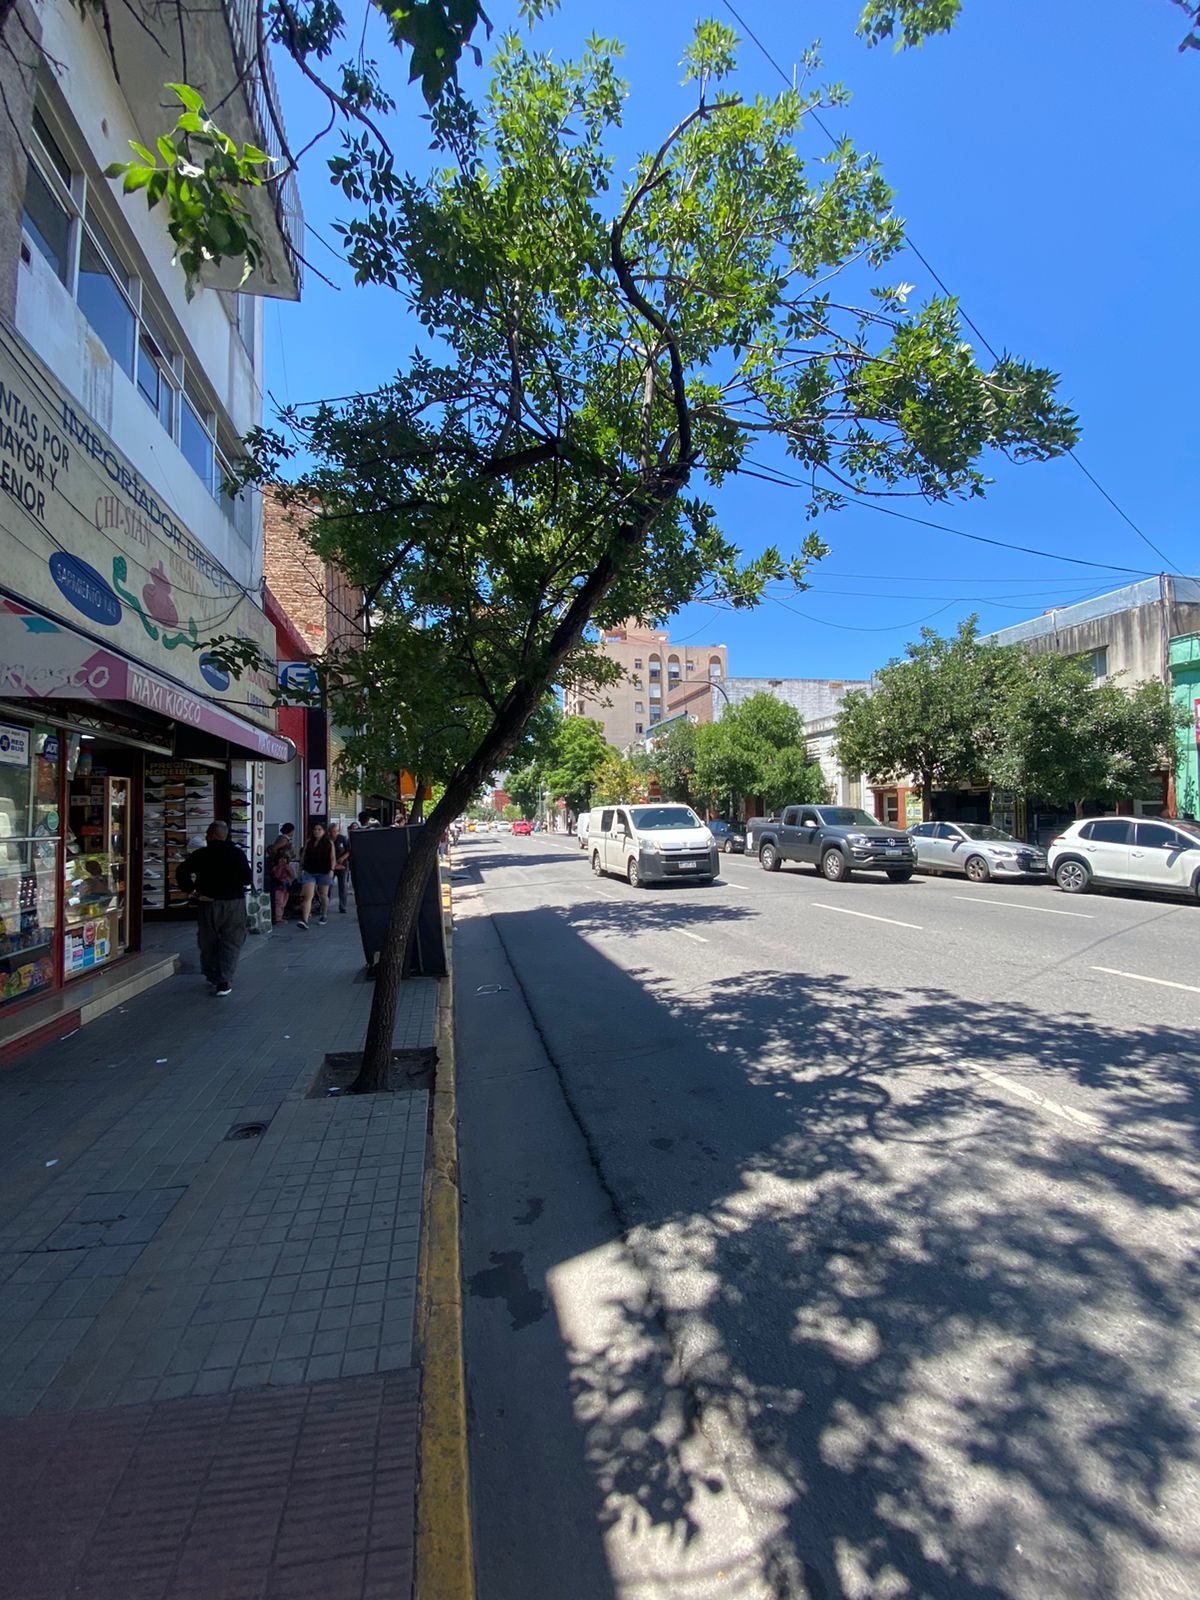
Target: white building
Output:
[
  {"x": 122, "y": 407},
  {"x": 819, "y": 702}
]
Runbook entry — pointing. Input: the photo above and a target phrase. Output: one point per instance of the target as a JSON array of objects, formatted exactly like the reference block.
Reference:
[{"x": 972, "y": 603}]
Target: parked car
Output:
[
  {"x": 649, "y": 844},
  {"x": 582, "y": 822},
  {"x": 523, "y": 828},
  {"x": 1138, "y": 852},
  {"x": 980, "y": 851},
  {"x": 836, "y": 840},
  {"x": 730, "y": 836}
]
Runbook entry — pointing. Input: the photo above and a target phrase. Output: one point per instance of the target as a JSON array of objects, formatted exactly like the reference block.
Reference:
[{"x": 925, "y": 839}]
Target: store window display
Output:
[
  {"x": 30, "y": 830},
  {"x": 96, "y": 858}
]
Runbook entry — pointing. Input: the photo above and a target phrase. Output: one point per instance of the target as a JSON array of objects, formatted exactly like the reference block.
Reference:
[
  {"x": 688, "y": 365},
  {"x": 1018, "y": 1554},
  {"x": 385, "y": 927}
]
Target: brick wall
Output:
[{"x": 321, "y": 604}]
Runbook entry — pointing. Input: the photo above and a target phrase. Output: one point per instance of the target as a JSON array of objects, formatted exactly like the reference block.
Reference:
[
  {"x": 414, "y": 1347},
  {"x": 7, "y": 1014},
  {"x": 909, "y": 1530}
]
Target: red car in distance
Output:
[{"x": 522, "y": 827}]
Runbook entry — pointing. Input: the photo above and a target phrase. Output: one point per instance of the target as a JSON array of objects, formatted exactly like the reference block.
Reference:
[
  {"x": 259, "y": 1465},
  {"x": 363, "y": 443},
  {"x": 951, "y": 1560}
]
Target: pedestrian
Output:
[
  {"x": 281, "y": 869},
  {"x": 316, "y": 874},
  {"x": 217, "y": 877},
  {"x": 341, "y": 862}
]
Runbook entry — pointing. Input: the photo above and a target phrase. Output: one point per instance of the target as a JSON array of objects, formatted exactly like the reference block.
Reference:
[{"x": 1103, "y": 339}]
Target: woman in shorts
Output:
[{"x": 316, "y": 874}]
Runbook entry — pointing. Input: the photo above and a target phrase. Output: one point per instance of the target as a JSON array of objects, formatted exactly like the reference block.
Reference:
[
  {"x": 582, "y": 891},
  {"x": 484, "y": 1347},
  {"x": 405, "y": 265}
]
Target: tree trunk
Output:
[
  {"x": 926, "y": 800},
  {"x": 515, "y": 711}
]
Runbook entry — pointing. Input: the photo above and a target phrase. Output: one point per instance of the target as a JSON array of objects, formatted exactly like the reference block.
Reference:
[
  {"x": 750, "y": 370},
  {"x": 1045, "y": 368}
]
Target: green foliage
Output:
[
  {"x": 957, "y": 712},
  {"x": 928, "y": 716},
  {"x": 672, "y": 760},
  {"x": 575, "y": 762},
  {"x": 511, "y": 813},
  {"x": 912, "y": 21},
  {"x": 757, "y": 748},
  {"x": 200, "y": 178},
  {"x": 619, "y": 781}
]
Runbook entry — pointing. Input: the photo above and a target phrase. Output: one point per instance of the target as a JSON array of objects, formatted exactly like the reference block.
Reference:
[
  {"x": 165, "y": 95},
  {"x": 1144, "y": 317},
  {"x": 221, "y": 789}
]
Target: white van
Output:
[
  {"x": 651, "y": 843},
  {"x": 582, "y": 822}
]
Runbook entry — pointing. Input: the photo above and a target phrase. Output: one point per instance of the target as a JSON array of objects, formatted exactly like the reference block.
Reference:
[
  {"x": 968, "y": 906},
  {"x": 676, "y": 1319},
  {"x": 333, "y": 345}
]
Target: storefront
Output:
[{"x": 121, "y": 736}]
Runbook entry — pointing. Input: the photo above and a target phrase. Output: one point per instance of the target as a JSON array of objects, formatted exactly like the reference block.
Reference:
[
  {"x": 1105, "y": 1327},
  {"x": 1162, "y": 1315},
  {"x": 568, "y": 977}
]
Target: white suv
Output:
[{"x": 1142, "y": 852}]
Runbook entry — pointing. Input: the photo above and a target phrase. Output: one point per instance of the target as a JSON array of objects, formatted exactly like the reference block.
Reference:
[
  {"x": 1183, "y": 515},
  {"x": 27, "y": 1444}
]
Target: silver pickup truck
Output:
[{"x": 836, "y": 840}]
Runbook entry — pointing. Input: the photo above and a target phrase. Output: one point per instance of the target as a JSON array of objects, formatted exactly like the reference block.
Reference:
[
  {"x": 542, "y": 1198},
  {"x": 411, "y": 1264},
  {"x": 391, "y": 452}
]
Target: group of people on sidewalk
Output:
[
  {"x": 322, "y": 863},
  {"x": 215, "y": 878}
]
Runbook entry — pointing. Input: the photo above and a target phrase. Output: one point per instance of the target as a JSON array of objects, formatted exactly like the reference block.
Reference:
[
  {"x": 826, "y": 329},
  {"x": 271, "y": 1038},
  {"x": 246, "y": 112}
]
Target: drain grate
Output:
[{"x": 247, "y": 1130}]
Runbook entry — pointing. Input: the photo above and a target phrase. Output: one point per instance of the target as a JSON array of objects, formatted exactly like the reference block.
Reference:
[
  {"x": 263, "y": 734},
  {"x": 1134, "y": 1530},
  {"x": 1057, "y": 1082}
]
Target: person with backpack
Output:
[{"x": 316, "y": 874}]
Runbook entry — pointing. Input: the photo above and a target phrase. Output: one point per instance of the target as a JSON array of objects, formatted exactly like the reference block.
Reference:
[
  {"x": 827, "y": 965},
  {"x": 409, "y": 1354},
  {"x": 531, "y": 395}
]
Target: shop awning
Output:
[{"x": 41, "y": 659}]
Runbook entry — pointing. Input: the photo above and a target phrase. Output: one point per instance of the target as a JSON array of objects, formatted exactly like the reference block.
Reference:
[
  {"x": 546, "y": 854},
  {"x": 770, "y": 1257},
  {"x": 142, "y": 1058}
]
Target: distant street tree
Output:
[
  {"x": 672, "y": 760},
  {"x": 575, "y": 762},
  {"x": 928, "y": 717},
  {"x": 620, "y": 781},
  {"x": 756, "y": 748}
]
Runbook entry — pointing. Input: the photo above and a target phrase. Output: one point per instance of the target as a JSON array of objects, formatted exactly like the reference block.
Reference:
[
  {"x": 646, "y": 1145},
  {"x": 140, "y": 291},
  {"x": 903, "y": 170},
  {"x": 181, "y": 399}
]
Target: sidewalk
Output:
[{"x": 207, "y": 1380}]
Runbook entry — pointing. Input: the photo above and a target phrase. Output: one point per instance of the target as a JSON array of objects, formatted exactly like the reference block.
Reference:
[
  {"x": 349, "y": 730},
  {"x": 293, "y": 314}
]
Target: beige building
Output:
[{"x": 661, "y": 680}]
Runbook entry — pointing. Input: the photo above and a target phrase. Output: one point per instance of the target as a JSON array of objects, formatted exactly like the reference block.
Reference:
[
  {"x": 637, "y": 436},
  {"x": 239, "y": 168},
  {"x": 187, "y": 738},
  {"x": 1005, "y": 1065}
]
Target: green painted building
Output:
[{"x": 1184, "y": 664}]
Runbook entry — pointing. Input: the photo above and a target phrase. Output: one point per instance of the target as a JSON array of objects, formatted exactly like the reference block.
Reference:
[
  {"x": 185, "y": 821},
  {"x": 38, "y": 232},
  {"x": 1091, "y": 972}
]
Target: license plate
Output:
[
  {"x": 893, "y": 849},
  {"x": 687, "y": 866}
]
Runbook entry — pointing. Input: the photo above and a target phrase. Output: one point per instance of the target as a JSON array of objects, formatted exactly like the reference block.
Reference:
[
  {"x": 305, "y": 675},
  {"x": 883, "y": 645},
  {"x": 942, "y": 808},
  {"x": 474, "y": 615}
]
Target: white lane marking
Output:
[
  {"x": 694, "y": 936},
  {"x": 1019, "y": 905},
  {"x": 846, "y": 912},
  {"x": 1140, "y": 977},
  {"x": 1055, "y": 1108}
]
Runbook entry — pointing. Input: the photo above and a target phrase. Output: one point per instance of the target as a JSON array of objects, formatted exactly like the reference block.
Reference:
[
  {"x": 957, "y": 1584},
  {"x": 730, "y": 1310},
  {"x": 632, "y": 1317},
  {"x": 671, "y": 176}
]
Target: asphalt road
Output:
[{"x": 827, "y": 1241}]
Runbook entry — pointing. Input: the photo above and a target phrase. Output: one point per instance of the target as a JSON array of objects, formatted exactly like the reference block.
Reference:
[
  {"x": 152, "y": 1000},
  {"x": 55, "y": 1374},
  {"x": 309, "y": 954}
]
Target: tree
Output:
[
  {"x": 528, "y": 477},
  {"x": 619, "y": 781},
  {"x": 672, "y": 760},
  {"x": 575, "y": 762},
  {"x": 526, "y": 787},
  {"x": 511, "y": 813},
  {"x": 928, "y": 717},
  {"x": 757, "y": 748}
]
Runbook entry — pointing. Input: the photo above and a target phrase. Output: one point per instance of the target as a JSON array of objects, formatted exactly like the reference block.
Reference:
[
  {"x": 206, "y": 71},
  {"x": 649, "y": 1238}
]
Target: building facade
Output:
[
  {"x": 659, "y": 680},
  {"x": 124, "y": 550},
  {"x": 818, "y": 700},
  {"x": 1184, "y": 663},
  {"x": 325, "y": 613}
]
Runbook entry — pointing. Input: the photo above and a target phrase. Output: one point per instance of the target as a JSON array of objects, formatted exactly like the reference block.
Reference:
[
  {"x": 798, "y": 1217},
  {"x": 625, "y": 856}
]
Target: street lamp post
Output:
[{"x": 724, "y": 693}]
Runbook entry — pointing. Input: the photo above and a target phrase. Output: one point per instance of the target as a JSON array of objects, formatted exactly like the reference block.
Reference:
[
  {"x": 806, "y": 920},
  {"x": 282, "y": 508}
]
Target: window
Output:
[
  {"x": 714, "y": 668},
  {"x": 47, "y": 222},
  {"x": 923, "y": 830},
  {"x": 691, "y": 666},
  {"x": 156, "y": 372},
  {"x": 1153, "y": 836},
  {"x": 195, "y": 439},
  {"x": 639, "y": 727},
  {"x": 791, "y": 817},
  {"x": 1108, "y": 830},
  {"x": 1095, "y": 662},
  {"x": 103, "y": 293},
  {"x": 655, "y": 714},
  {"x": 605, "y": 821},
  {"x": 638, "y": 706},
  {"x": 655, "y": 691},
  {"x": 891, "y": 808},
  {"x": 637, "y": 682},
  {"x": 637, "y": 661}
]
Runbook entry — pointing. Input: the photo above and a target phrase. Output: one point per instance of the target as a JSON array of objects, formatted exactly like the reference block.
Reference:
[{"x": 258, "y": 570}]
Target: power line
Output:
[
  {"x": 784, "y": 481},
  {"x": 975, "y": 329}
]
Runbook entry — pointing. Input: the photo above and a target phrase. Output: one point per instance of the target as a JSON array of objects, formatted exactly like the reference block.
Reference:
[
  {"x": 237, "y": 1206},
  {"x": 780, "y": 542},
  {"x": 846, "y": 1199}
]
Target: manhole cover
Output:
[{"x": 247, "y": 1130}]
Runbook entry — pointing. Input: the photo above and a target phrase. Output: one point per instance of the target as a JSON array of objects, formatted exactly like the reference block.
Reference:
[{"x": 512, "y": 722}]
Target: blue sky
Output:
[{"x": 1044, "y": 156}]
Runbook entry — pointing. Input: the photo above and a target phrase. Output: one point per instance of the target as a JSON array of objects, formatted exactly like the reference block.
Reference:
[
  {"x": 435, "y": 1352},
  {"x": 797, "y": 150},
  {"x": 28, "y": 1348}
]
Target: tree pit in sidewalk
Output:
[{"x": 410, "y": 1070}]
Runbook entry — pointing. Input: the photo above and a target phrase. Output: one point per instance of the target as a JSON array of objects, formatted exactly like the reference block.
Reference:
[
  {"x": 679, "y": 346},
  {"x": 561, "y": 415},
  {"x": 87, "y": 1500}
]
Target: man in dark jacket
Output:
[{"x": 217, "y": 878}]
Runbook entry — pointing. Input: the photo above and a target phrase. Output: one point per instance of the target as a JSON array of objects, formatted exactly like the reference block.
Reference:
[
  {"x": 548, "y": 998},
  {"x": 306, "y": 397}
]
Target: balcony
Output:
[{"x": 221, "y": 65}]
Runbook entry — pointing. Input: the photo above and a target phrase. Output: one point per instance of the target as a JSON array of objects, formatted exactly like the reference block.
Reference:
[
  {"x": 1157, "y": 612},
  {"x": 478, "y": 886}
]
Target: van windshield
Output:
[{"x": 648, "y": 819}]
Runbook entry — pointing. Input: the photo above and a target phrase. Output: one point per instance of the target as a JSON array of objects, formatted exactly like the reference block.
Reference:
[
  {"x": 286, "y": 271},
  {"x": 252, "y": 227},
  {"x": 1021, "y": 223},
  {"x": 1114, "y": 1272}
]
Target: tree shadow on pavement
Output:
[{"x": 918, "y": 1283}]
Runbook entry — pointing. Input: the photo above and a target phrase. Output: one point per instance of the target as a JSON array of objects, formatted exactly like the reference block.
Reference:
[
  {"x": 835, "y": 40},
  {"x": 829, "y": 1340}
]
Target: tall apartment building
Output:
[
  {"x": 660, "y": 680},
  {"x": 122, "y": 550}
]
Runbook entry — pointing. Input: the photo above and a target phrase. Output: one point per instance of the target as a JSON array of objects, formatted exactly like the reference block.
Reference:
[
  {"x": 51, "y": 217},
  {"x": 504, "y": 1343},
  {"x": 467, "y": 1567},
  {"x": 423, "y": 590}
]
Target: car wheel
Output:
[
  {"x": 977, "y": 869},
  {"x": 834, "y": 866},
  {"x": 727, "y": 847},
  {"x": 1072, "y": 877},
  {"x": 596, "y": 867},
  {"x": 900, "y": 875},
  {"x": 634, "y": 876},
  {"x": 768, "y": 858}
]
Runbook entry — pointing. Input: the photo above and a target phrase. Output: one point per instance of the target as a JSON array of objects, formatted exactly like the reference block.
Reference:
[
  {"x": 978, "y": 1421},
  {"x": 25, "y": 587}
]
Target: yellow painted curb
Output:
[{"x": 445, "y": 1567}]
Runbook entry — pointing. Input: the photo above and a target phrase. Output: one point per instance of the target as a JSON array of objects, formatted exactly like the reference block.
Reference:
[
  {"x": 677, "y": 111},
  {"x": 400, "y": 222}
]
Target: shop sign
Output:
[
  {"x": 14, "y": 745},
  {"x": 298, "y": 681},
  {"x": 316, "y": 792},
  {"x": 88, "y": 538}
]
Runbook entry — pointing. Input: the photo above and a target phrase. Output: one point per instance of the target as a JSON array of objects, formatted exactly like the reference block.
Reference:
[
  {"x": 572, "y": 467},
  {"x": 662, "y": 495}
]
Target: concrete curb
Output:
[{"x": 445, "y": 1568}]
